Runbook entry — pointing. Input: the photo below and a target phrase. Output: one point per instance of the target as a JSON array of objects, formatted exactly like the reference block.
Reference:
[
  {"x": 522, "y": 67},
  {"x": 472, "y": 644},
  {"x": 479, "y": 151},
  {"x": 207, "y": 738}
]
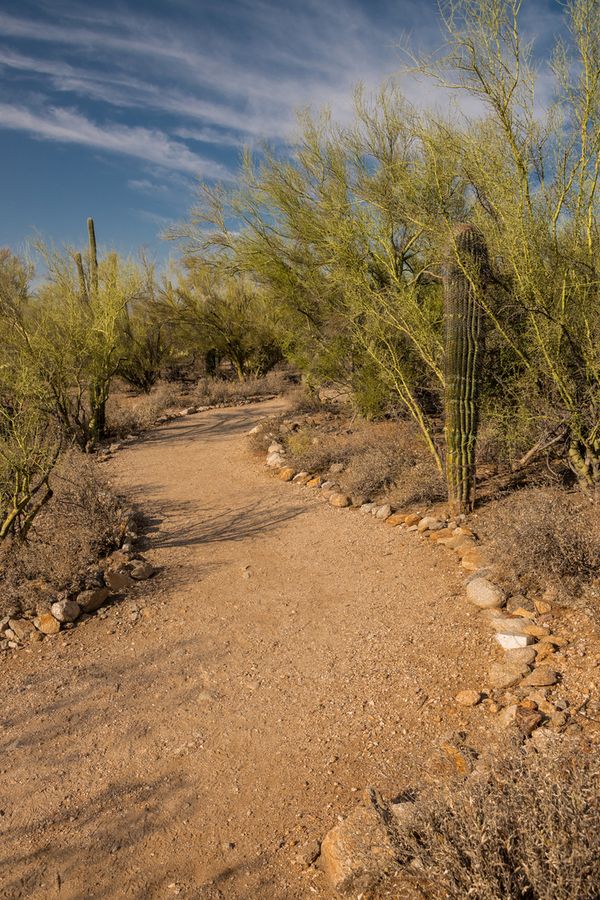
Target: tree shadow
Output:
[{"x": 204, "y": 526}]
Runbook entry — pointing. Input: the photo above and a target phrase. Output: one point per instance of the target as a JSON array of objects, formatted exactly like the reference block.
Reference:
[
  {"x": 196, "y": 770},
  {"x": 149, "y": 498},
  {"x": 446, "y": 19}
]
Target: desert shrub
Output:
[
  {"x": 541, "y": 538},
  {"x": 529, "y": 829},
  {"x": 127, "y": 413},
  {"x": 78, "y": 523},
  {"x": 221, "y": 390},
  {"x": 421, "y": 485}
]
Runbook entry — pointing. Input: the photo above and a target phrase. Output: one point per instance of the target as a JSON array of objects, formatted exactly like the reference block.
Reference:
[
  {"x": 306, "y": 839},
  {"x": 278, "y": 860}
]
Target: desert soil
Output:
[{"x": 199, "y": 736}]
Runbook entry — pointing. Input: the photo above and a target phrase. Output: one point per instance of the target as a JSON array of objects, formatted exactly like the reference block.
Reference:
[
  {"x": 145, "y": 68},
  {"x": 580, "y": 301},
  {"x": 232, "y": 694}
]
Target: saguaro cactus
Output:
[
  {"x": 464, "y": 280},
  {"x": 93, "y": 255}
]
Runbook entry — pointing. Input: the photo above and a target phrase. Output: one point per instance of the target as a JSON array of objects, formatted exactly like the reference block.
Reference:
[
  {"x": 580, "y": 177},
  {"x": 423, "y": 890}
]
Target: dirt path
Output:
[{"x": 288, "y": 655}]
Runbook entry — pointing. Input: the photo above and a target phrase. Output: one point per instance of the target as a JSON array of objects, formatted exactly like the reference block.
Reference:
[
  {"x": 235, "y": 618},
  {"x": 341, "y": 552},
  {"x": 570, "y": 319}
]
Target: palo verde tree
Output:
[
  {"x": 533, "y": 179},
  {"x": 72, "y": 337},
  {"x": 29, "y": 445}
]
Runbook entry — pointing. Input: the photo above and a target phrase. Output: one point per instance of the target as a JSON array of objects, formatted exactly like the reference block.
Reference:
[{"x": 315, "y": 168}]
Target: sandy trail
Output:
[{"x": 192, "y": 741}]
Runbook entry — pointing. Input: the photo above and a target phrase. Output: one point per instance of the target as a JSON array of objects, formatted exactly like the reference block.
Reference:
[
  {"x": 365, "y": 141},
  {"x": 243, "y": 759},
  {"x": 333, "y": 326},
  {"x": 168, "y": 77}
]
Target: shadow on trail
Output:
[
  {"x": 250, "y": 521},
  {"x": 210, "y": 425}
]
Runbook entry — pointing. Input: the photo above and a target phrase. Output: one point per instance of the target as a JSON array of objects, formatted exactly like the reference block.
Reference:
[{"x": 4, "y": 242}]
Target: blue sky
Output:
[{"x": 116, "y": 109}]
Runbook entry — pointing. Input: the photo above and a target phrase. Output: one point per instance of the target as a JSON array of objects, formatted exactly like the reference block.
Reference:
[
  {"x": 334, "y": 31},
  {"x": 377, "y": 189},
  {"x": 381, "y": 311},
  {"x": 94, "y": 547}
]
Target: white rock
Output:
[
  {"x": 513, "y": 641},
  {"x": 65, "y": 610},
  {"x": 299, "y": 477},
  {"x": 367, "y": 508},
  {"x": 275, "y": 460},
  {"x": 384, "y": 512},
  {"x": 256, "y": 430},
  {"x": 275, "y": 447},
  {"x": 485, "y": 594}
]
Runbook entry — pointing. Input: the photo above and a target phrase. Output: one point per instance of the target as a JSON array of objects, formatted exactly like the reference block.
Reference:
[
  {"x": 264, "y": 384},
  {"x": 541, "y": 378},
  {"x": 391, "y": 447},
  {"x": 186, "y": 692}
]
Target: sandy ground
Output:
[{"x": 196, "y": 738}]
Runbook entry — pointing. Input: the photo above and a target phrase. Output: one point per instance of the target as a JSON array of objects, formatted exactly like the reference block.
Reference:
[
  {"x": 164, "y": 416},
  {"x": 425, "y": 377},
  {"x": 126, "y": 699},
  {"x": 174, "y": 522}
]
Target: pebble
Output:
[
  {"x": 541, "y": 677},
  {"x": 142, "y": 570},
  {"x": 367, "y": 508},
  {"x": 47, "y": 624},
  {"x": 286, "y": 474},
  {"x": 65, "y": 610},
  {"x": 21, "y": 628},
  {"x": 501, "y": 676},
  {"x": 384, "y": 512},
  {"x": 340, "y": 500},
  {"x": 513, "y": 641},
  {"x": 521, "y": 656},
  {"x": 91, "y": 600},
  {"x": 469, "y": 698},
  {"x": 429, "y": 523},
  {"x": 484, "y": 594}
]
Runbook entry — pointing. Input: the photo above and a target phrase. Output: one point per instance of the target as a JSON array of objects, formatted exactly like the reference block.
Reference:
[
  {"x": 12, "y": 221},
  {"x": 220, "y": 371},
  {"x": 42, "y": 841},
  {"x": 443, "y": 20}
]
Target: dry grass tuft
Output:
[
  {"x": 529, "y": 829},
  {"x": 74, "y": 529},
  {"x": 129, "y": 413},
  {"x": 546, "y": 538}
]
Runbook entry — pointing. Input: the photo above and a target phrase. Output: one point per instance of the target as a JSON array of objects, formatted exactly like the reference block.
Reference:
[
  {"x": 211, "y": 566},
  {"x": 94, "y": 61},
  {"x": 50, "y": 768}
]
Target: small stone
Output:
[
  {"x": 309, "y": 854},
  {"x": 337, "y": 468},
  {"x": 329, "y": 485},
  {"x": 47, "y": 624},
  {"x": 367, "y": 508},
  {"x": 394, "y": 520},
  {"x": 559, "y": 720},
  {"x": 485, "y": 594},
  {"x": 301, "y": 478},
  {"x": 527, "y": 720},
  {"x": 118, "y": 581},
  {"x": 513, "y": 641},
  {"x": 142, "y": 570},
  {"x": 412, "y": 519},
  {"x": 541, "y": 677},
  {"x": 456, "y": 541},
  {"x": 521, "y": 656},
  {"x": 35, "y": 637},
  {"x": 275, "y": 460},
  {"x": 523, "y": 613},
  {"x": 542, "y": 607},
  {"x": 276, "y": 447},
  {"x": 429, "y": 523},
  {"x": 340, "y": 500},
  {"x": 508, "y": 715},
  {"x": 256, "y": 430},
  {"x": 384, "y": 512},
  {"x": 508, "y": 626},
  {"x": 21, "y": 628},
  {"x": 286, "y": 474},
  {"x": 544, "y": 651},
  {"x": 440, "y": 535},
  {"x": 65, "y": 610},
  {"x": 359, "y": 851},
  {"x": 502, "y": 676},
  {"x": 91, "y": 600},
  {"x": 468, "y": 698},
  {"x": 537, "y": 631},
  {"x": 314, "y": 482}
]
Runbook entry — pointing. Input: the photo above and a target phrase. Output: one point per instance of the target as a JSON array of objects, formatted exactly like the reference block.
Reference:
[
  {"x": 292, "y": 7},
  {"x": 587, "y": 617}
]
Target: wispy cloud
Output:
[{"x": 148, "y": 144}]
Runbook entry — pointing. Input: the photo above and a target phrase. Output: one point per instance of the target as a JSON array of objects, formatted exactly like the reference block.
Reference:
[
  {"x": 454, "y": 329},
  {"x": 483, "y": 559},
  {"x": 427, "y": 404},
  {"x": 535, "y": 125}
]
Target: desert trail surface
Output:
[{"x": 196, "y": 739}]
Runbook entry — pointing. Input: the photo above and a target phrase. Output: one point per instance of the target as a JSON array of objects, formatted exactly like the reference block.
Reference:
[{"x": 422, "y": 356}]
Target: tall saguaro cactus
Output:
[
  {"x": 464, "y": 280},
  {"x": 93, "y": 255}
]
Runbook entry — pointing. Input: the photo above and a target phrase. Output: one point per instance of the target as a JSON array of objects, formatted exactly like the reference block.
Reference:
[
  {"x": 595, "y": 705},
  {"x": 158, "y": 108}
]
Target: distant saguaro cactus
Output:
[
  {"x": 465, "y": 278},
  {"x": 92, "y": 255}
]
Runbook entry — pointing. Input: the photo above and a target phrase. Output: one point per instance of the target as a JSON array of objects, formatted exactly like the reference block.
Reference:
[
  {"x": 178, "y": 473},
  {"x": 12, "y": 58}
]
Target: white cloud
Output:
[{"x": 67, "y": 126}]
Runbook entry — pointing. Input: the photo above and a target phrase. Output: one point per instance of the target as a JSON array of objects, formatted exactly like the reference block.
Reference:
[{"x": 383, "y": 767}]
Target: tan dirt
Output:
[{"x": 197, "y": 737}]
